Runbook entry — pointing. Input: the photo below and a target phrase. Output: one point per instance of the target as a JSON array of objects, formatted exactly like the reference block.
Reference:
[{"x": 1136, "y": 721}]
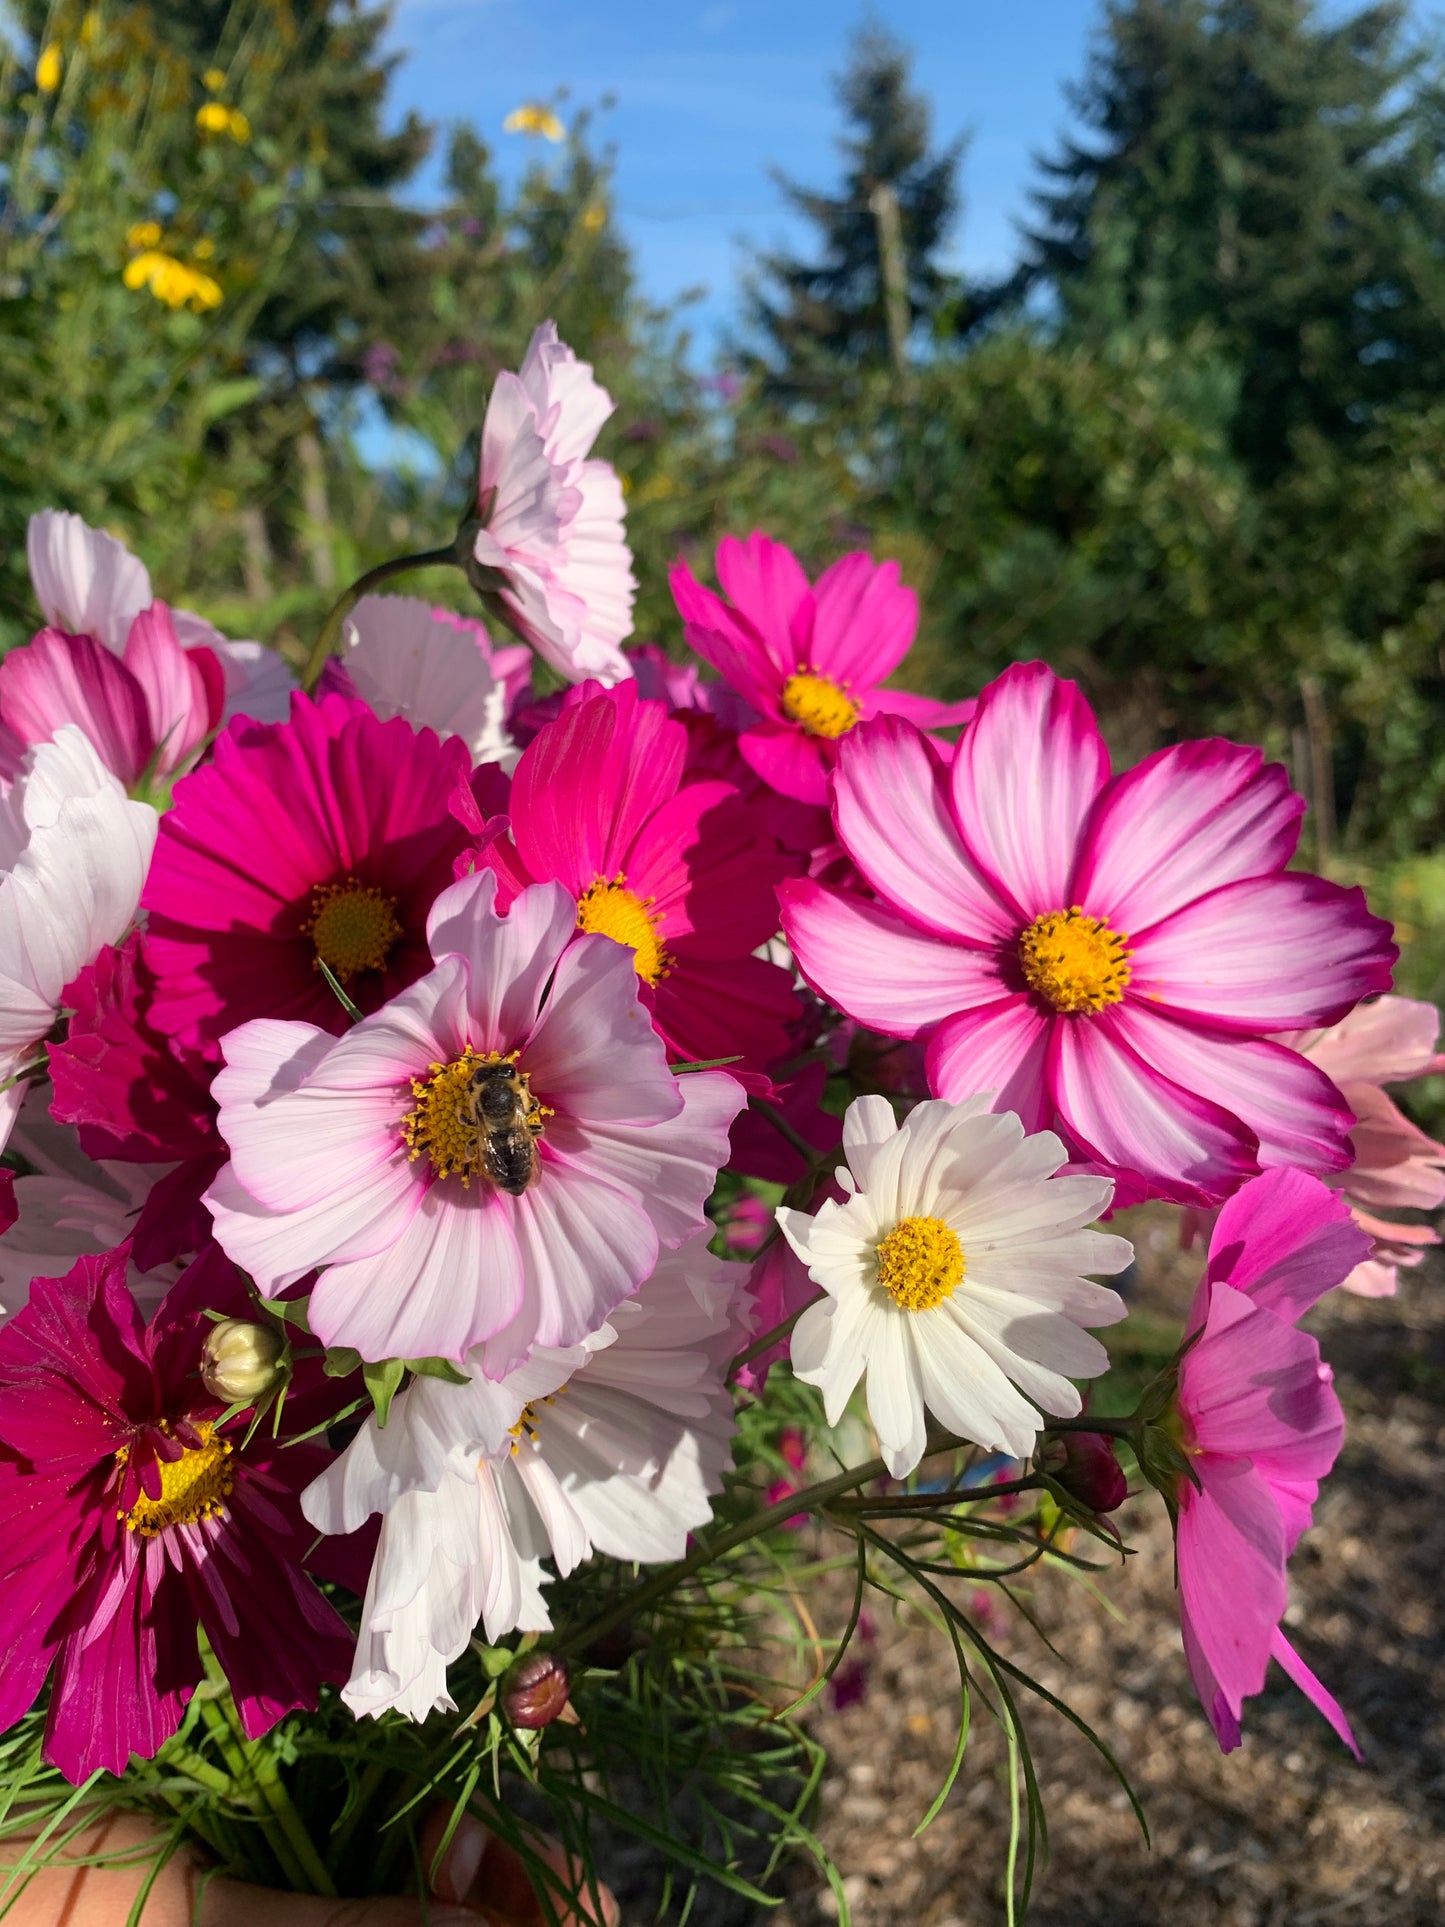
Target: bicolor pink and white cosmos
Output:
[
  {"x": 552, "y": 548},
  {"x": 354, "y": 1156},
  {"x": 614, "y": 1446},
  {"x": 73, "y": 855}
]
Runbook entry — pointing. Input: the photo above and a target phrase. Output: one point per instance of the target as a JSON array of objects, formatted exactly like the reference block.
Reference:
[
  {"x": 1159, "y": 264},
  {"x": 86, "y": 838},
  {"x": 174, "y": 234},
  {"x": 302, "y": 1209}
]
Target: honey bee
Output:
[{"x": 498, "y": 1104}]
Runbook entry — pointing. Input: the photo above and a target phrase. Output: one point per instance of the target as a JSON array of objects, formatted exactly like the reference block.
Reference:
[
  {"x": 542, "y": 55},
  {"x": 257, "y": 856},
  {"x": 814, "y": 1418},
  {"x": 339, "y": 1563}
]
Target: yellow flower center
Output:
[
  {"x": 819, "y": 704},
  {"x": 1076, "y": 963},
  {"x": 447, "y": 1125},
  {"x": 526, "y": 1426},
  {"x": 612, "y": 910},
  {"x": 194, "y": 1486},
  {"x": 352, "y": 926},
  {"x": 920, "y": 1263}
]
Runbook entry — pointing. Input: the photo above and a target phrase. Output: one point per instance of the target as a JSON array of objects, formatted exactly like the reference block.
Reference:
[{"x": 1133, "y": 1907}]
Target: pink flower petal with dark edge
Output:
[
  {"x": 1187, "y": 820},
  {"x": 1266, "y": 954},
  {"x": 1026, "y": 773},
  {"x": 880, "y": 970},
  {"x": 1313, "y": 1689},
  {"x": 789, "y": 760},
  {"x": 1291, "y": 1107},
  {"x": 1231, "y": 1573},
  {"x": 1002, "y": 1047},
  {"x": 864, "y": 622},
  {"x": 895, "y": 819},
  {"x": 58, "y": 679},
  {"x": 1285, "y": 1240},
  {"x": 184, "y": 689},
  {"x": 1126, "y": 1116}
]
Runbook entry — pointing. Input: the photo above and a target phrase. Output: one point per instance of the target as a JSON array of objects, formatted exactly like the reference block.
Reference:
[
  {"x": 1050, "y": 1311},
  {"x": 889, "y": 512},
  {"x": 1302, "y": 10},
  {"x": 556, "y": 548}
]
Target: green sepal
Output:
[
  {"x": 291, "y": 1311},
  {"x": 341, "y": 997},
  {"x": 442, "y": 1368},
  {"x": 342, "y": 1361},
  {"x": 382, "y": 1381}
]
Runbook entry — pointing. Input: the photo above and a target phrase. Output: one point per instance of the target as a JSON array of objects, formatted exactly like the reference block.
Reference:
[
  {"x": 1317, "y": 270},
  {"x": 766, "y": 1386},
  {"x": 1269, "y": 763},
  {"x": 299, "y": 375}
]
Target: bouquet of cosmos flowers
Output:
[{"x": 439, "y": 1087}]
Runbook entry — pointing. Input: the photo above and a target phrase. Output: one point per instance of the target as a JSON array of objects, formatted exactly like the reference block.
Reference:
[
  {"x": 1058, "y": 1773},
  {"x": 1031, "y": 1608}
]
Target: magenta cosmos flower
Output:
[
  {"x": 436, "y": 1223},
  {"x": 681, "y": 872},
  {"x": 810, "y": 659},
  {"x": 130, "y": 1515},
  {"x": 1108, "y": 956},
  {"x": 551, "y": 551},
  {"x": 326, "y": 837},
  {"x": 1261, "y": 1426}
]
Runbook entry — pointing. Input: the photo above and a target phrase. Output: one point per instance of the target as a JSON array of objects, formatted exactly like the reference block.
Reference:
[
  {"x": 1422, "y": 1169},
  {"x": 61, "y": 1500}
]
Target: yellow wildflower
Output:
[
  {"x": 204, "y": 250},
  {"x": 240, "y": 127},
  {"x": 90, "y": 27},
  {"x": 533, "y": 118},
  {"x": 213, "y": 117},
  {"x": 47, "y": 69},
  {"x": 144, "y": 234},
  {"x": 171, "y": 281},
  {"x": 213, "y": 80}
]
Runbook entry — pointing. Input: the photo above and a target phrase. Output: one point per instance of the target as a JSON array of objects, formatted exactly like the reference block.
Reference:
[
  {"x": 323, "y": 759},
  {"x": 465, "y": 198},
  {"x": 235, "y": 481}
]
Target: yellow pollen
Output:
[
  {"x": 194, "y": 1486},
  {"x": 612, "y": 910},
  {"x": 526, "y": 1426},
  {"x": 920, "y": 1263},
  {"x": 443, "y": 1124},
  {"x": 352, "y": 926},
  {"x": 819, "y": 704},
  {"x": 1076, "y": 963}
]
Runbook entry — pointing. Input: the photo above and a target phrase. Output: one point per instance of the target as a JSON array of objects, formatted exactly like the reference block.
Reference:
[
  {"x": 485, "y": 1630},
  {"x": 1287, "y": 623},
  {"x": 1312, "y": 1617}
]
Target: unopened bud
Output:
[
  {"x": 534, "y": 1692},
  {"x": 241, "y": 1362},
  {"x": 1085, "y": 1465}
]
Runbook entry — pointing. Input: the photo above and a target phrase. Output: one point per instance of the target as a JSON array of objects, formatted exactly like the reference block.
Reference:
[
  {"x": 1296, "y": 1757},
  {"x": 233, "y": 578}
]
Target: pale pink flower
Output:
[
  {"x": 73, "y": 857},
  {"x": 552, "y": 549},
  {"x": 407, "y": 659},
  {"x": 355, "y": 1155}
]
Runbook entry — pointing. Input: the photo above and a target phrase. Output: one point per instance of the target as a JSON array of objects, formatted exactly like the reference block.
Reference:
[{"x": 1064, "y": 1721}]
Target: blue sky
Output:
[{"x": 710, "y": 94}]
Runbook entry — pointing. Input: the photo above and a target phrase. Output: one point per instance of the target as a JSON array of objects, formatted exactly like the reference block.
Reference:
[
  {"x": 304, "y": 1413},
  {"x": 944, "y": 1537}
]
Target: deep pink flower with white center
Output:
[
  {"x": 88, "y": 584},
  {"x": 1109, "y": 956},
  {"x": 326, "y": 837},
  {"x": 148, "y": 710},
  {"x": 361, "y": 1156},
  {"x": 810, "y": 659},
  {"x": 683, "y": 874},
  {"x": 1261, "y": 1427},
  {"x": 552, "y": 551},
  {"x": 130, "y": 1516}
]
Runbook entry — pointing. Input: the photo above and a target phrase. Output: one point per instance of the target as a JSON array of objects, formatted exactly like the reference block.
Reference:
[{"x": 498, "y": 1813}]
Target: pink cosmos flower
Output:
[
  {"x": 1109, "y": 957},
  {"x": 88, "y": 584},
  {"x": 149, "y": 710},
  {"x": 681, "y": 873},
  {"x": 138, "y": 1100},
  {"x": 1261, "y": 1427},
  {"x": 129, "y": 1515},
  {"x": 810, "y": 660},
  {"x": 364, "y": 1157},
  {"x": 404, "y": 658},
  {"x": 1395, "y": 1164},
  {"x": 326, "y": 837},
  {"x": 551, "y": 553}
]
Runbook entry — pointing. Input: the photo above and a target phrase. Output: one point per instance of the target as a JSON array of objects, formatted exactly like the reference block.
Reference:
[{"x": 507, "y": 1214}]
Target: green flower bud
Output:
[{"x": 242, "y": 1362}]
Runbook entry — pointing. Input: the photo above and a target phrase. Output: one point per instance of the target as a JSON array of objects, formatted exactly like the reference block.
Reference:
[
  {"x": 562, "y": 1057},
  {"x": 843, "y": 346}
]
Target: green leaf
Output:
[
  {"x": 351, "y": 1009},
  {"x": 382, "y": 1382},
  {"x": 442, "y": 1368},
  {"x": 341, "y": 1362}
]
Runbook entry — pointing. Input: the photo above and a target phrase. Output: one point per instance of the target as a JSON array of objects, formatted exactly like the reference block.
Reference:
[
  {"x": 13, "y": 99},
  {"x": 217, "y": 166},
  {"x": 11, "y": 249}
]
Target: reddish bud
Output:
[
  {"x": 1085, "y": 1465},
  {"x": 534, "y": 1692}
]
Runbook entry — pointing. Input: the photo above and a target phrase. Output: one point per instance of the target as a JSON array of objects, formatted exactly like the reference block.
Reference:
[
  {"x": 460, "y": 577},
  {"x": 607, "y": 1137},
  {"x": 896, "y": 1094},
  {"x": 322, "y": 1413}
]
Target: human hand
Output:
[{"x": 480, "y": 1880}]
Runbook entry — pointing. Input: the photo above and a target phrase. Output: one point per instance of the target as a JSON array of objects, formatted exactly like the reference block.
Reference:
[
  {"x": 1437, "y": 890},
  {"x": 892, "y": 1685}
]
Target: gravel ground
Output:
[{"x": 1286, "y": 1832}]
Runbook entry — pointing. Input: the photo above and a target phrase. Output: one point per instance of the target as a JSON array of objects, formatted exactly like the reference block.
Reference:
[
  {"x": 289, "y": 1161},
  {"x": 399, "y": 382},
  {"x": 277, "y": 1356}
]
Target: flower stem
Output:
[
  {"x": 1119, "y": 1428},
  {"x": 809, "y": 1498},
  {"x": 348, "y": 599},
  {"x": 810, "y": 1155},
  {"x": 770, "y": 1337}
]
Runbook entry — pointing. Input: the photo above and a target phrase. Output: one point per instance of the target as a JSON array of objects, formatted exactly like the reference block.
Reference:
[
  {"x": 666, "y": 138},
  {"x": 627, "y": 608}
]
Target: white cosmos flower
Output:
[
  {"x": 73, "y": 856},
  {"x": 613, "y": 1446},
  {"x": 406, "y": 659},
  {"x": 955, "y": 1277}
]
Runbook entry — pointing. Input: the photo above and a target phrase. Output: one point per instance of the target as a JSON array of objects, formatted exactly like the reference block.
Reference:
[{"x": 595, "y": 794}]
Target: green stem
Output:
[
  {"x": 348, "y": 599},
  {"x": 760, "y": 1345},
  {"x": 931, "y": 1501},
  {"x": 810, "y": 1155},
  {"x": 810, "y": 1498},
  {"x": 244, "y": 1787},
  {"x": 1119, "y": 1428}
]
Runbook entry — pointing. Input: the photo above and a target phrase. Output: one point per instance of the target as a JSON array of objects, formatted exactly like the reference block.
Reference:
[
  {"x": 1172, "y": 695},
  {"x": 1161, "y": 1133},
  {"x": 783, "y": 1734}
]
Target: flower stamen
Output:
[
  {"x": 607, "y": 908},
  {"x": 1075, "y": 962},
  {"x": 195, "y": 1486},
  {"x": 446, "y": 1122},
  {"x": 822, "y": 706},
  {"x": 920, "y": 1263},
  {"x": 352, "y": 926}
]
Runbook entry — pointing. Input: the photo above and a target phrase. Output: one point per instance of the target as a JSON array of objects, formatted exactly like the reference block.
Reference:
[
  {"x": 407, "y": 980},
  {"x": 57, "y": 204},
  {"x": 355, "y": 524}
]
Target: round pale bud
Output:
[
  {"x": 534, "y": 1692},
  {"x": 241, "y": 1362}
]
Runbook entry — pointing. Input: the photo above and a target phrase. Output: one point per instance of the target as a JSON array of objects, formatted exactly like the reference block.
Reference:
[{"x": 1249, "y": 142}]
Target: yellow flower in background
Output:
[
  {"x": 213, "y": 118},
  {"x": 533, "y": 118},
  {"x": 172, "y": 281},
  {"x": 204, "y": 250},
  {"x": 89, "y": 27},
  {"x": 213, "y": 80},
  {"x": 144, "y": 234},
  {"x": 594, "y": 217},
  {"x": 240, "y": 127},
  {"x": 47, "y": 69}
]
